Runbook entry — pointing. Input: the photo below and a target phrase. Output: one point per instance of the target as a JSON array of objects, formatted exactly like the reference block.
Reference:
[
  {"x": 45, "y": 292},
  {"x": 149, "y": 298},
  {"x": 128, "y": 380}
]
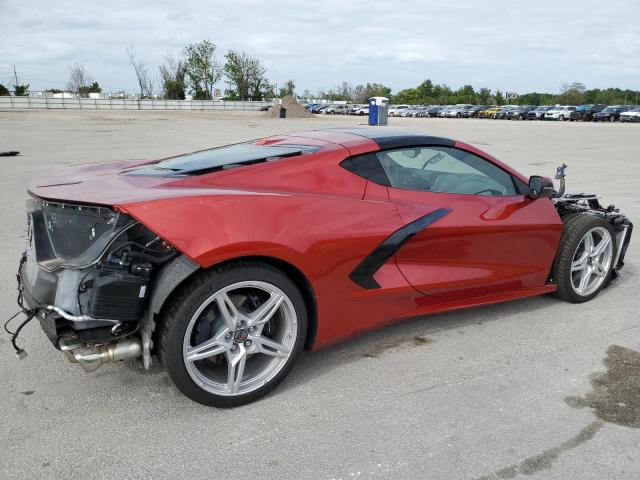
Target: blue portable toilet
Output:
[{"x": 378, "y": 111}]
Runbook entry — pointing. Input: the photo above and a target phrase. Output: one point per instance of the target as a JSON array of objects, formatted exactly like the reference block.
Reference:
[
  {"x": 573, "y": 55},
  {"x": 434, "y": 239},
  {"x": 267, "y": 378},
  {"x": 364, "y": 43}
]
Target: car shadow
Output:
[{"x": 413, "y": 332}]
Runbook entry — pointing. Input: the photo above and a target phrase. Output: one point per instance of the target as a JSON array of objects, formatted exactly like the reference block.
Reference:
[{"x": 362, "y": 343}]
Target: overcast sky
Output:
[{"x": 515, "y": 46}]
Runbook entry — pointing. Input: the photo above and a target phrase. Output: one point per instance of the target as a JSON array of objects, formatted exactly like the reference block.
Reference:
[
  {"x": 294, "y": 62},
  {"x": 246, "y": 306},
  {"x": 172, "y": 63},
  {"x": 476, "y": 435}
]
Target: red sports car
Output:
[{"x": 225, "y": 263}]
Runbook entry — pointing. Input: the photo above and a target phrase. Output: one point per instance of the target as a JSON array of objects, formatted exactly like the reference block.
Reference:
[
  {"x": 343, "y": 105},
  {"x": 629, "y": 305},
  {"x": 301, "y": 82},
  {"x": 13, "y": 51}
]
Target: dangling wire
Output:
[
  {"x": 19, "y": 351},
  {"x": 6, "y": 329},
  {"x": 23, "y": 309}
]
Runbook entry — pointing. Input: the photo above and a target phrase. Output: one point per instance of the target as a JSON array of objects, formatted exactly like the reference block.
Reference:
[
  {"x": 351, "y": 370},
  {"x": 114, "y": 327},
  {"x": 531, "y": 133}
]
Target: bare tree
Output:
[
  {"x": 79, "y": 80},
  {"x": 172, "y": 77},
  {"x": 142, "y": 74}
]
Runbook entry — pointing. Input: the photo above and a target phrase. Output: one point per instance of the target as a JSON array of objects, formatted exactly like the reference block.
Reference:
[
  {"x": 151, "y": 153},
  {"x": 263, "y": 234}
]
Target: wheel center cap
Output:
[{"x": 240, "y": 335}]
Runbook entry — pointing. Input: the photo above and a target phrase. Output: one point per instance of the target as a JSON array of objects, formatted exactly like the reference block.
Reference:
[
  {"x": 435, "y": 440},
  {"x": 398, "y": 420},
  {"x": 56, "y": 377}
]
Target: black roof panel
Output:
[{"x": 388, "y": 138}]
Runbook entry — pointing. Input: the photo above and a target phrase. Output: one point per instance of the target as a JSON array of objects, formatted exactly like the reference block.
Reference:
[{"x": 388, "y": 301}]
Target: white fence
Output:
[{"x": 48, "y": 103}]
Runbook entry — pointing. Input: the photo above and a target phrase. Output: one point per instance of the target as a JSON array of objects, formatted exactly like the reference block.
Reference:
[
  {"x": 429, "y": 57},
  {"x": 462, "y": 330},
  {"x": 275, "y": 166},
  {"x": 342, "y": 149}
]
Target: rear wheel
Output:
[
  {"x": 584, "y": 263},
  {"x": 233, "y": 334}
]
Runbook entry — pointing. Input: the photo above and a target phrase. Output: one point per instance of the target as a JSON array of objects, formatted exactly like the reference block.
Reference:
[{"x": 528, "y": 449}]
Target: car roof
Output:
[{"x": 391, "y": 138}]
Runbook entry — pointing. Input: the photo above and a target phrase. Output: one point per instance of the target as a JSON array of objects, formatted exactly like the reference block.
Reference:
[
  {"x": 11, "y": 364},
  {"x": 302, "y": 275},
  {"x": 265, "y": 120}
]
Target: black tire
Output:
[
  {"x": 575, "y": 227},
  {"x": 183, "y": 306}
]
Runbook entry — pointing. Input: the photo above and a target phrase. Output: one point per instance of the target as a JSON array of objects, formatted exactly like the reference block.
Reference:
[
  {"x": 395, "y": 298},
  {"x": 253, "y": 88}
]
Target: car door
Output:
[{"x": 473, "y": 231}]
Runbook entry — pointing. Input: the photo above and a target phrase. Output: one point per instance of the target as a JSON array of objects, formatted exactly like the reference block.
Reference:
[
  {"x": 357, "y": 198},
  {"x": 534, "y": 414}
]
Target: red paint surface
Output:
[{"x": 310, "y": 212}]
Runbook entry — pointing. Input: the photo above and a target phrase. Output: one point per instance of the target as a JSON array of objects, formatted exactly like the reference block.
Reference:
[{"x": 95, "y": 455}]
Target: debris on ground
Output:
[{"x": 293, "y": 107}]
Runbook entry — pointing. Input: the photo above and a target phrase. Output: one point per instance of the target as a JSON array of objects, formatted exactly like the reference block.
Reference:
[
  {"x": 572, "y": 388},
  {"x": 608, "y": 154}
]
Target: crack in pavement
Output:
[
  {"x": 544, "y": 460},
  {"x": 615, "y": 399}
]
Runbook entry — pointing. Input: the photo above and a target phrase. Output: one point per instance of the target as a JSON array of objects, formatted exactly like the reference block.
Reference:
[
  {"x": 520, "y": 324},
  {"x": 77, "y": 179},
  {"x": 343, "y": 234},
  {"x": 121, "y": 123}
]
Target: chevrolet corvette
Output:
[{"x": 224, "y": 264}]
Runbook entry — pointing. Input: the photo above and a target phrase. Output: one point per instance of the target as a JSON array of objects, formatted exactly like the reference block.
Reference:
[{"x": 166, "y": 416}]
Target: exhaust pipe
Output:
[{"x": 91, "y": 358}]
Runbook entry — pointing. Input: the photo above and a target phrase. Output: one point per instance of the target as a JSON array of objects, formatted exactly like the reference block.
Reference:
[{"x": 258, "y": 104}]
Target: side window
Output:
[
  {"x": 444, "y": 169},
  {"x": 367, "y": 166}
]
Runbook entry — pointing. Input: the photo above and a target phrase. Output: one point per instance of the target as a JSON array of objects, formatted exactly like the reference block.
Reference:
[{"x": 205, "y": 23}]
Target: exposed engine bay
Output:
[
  {"x": 588, "y": 204},
  {"x": 86, "y": 277}
]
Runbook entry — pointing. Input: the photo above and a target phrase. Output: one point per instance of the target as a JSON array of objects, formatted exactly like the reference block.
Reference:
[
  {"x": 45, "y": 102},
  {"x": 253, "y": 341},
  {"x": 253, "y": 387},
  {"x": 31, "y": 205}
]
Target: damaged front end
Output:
[
  {"x": 588, "y": 204},
  {"x": 86, "y": 276}
]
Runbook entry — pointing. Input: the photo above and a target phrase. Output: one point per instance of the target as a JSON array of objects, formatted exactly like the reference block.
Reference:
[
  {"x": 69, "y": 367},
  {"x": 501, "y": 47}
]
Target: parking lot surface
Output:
[{"x": 505, "y": 391}]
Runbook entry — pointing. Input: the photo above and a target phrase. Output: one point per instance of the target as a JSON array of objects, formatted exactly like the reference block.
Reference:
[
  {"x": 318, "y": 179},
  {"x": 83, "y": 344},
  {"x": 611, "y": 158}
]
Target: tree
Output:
[
  {"x": 172, "y": 77},
  {"x": 94, "y": 88},
  {"x": 484, "y": 94},
  {"x": 142, "y": 74},
  {"x": 342, "y": 92},
  {"x": 4, "y": 91},
  {"x": 466, "y": 94},
  {"x": 410, "y": 96},
  {"x": 244, "y": 73},
  {"x": 202, "y": 68},
  {"x": 363, "y": 93},
  {"x": 425, "y": 91},
  {"x": 268, "y": 90},
  {"x": 79, "y": 80},
  {"x": 287, "y": 89},
  {"x": 571, "y": 94},
  {"x": 499, "y": 99},
  {"x": 21, "y": 90}
]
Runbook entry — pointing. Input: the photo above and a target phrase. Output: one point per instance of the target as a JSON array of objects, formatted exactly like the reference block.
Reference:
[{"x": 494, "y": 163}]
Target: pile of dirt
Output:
[{"x": 294, "y": 109}]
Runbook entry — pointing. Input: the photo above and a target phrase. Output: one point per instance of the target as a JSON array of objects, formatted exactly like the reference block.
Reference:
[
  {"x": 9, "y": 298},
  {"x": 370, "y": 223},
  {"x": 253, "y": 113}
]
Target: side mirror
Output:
[{"x": 540, "y": 187}]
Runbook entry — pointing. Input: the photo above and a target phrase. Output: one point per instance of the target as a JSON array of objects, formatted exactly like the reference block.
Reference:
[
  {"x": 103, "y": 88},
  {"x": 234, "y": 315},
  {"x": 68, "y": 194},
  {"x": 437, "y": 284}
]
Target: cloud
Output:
[{"x": 495, "y": 43}]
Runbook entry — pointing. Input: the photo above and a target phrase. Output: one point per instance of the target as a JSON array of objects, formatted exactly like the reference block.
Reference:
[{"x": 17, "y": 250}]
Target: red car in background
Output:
[{"x": 226, "y": 263}]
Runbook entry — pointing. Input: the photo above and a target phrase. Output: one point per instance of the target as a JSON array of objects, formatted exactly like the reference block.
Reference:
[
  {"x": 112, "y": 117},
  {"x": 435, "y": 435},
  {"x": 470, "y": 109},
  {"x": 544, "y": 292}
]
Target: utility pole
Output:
[{"x": 15, "y": 75}]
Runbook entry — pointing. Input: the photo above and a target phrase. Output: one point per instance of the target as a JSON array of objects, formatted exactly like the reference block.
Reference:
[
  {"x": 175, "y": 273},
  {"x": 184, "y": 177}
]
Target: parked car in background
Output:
[
  {"x": 489, "y": 112},
  {"x": 457, "y": 111},
  {"x": 336, "y": 110},
  {"x": 316, "y": 108},
  {"x": 519, "y": 113},
  {"x": 429, "y": 111},
  {"x": 474, "y": 110},
  {"x": 444, "y": 111},
  {"x": 609, "y": 114},
  {"x": 407, "y": 112},
  {"x": 416, "y": 110},
  {"x": 353, "y": 109},
  {"x": 362, "y": 110},
  {"x": 395, "y": 110},
  {"x": 585, "y": 113},
  {"x": 560, "y": 113},
  {"x": 538, "y": 112},
  {"x": 632, "y": 115},
  {"x": 503, "y": 112},
  {"x": 311, "y": 106}
]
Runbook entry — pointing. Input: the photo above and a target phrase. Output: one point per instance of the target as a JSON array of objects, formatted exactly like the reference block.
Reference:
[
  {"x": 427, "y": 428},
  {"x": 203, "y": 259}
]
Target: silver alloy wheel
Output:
[
  {"x": 251, "y": 330},
  {"x": 591, "y": 261}
]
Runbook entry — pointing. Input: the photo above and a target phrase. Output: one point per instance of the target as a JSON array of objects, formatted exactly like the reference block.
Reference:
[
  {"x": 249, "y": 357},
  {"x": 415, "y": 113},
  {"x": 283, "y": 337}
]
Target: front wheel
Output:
[
  {"x": 233, "y": 334},
  {"x": 584, "y": 263}
]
